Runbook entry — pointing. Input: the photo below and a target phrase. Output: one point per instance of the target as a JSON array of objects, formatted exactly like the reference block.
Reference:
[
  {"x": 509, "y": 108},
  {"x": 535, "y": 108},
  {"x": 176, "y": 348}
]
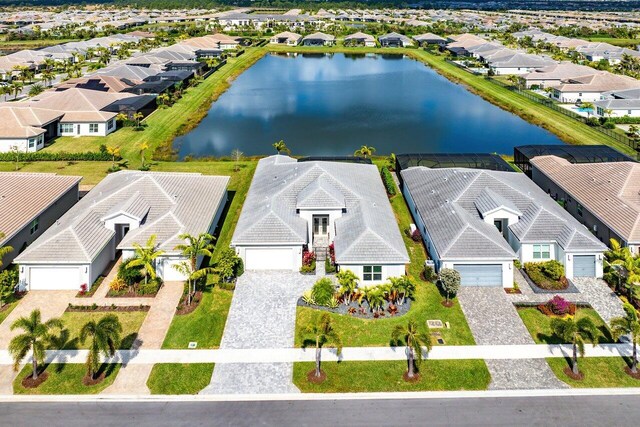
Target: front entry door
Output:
[{"x": 320, "y": 225}]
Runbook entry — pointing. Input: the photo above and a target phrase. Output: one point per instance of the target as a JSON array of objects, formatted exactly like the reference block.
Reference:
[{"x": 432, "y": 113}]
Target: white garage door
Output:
[
  {"x": 269, "y": 259},
  {"x": 584, "y": 265},
  {"x": 479, "y": 274},
  {"x": 54, "y": 278}
]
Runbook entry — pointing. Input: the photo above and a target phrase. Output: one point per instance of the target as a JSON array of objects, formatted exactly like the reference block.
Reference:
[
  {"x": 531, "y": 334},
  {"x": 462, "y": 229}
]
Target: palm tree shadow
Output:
[{"x": 130, "y": 341}]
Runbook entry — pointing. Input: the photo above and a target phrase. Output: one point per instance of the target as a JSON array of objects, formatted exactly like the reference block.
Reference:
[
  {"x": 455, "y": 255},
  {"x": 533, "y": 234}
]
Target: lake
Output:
[{"x": 333, "y": 104}]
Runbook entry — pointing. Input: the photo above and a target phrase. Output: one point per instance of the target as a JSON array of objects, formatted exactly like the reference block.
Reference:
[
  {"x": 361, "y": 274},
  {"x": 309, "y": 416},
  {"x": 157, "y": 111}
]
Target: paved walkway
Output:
[
  {"x": 262, "y": 316},
  {"x": 493, "y": 320},
  {"x": 132, "y": 379}
]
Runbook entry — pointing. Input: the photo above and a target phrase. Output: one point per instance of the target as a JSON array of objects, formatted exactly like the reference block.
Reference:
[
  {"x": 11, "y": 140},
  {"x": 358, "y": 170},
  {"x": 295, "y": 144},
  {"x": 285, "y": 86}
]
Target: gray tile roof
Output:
[
  {"x": 367, "y": 231},
  {"x": 169, "y": 204},
  {"x": 450, "y": 202}
]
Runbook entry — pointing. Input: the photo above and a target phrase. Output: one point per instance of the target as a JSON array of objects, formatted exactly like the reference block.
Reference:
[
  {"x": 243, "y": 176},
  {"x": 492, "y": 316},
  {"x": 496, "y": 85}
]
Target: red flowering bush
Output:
[
  {"x": 83, "y": 289},
  {"x": 308, "y": 257},
  {"x": 558, "y": 306}
]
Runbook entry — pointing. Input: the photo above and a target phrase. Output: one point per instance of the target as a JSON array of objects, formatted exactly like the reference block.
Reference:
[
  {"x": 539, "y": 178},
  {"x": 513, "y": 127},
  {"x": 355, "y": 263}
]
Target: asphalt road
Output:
[{"x": 555, "y": 411}]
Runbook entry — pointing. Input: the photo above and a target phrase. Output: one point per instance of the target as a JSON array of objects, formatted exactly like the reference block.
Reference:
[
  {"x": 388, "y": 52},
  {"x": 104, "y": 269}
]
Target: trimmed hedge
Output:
[
  {"x": 388, "y": 181},
  {"x": 625, "y": 120},
  {"x": 45, "y": 156}
]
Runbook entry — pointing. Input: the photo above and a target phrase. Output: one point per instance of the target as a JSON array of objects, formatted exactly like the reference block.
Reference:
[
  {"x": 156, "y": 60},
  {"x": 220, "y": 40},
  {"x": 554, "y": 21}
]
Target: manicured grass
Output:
[
  {"x": 65, "y": 379},
  {"x": 598, "y": 372},
  {"x": 357, "y": 332},
  {"x": 539, "y": 325},
  {"x": 631, "y": 43},
  {"x": 177, "y": 378},
  {"x": 7, "y": 309},
  {"x": 73, "y": 322},
  {"x": 386, "y": 376},
  {"x": 204, "y": 325}
]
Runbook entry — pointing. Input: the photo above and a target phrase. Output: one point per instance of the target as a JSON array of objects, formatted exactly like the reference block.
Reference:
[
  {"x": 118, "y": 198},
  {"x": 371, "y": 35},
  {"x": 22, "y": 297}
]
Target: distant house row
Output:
[{"x": 356, "y": 39}]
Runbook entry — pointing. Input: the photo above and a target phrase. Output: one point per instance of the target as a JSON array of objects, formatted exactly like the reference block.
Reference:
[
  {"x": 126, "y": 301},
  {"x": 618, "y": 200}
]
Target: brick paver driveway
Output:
[{"x": 262, "y": 315}]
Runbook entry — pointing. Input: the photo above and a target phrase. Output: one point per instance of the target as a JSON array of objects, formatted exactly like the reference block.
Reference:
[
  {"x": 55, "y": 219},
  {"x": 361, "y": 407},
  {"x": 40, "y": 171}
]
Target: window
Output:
[
  {"x": 579, "y": 208},
  {"x": 541, "y": 251},
  {"x": 93, "y": 128},
  {"x": 498, "y": 224},
  {"x": 34, "y": 225},
  {"x": 66, "y": 128},
  {"x": 110, "y": 124},
  {"x": 372, "y": 272},
  {"x": 32, "y": 143}
]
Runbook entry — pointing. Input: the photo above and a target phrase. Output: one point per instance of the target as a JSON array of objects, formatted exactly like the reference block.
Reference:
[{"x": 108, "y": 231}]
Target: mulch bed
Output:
[
  {"x": 512, "y": 291},
  {"x": 363, "y": 311},
  {"x": 88, "y": 381},
  {"x": 183, "y": 308},
  {"x": 446, "y": 303},
  {"x": 311, "y": 376},
  {"x": 568, "y": 372},
  {"x": 631, "y": 374},
  {"x": 28, "y": 382},
  {"x": 416, "y": 377},
  {"x": 106, "y": 308},
  {"x": 130, "y": 294}
]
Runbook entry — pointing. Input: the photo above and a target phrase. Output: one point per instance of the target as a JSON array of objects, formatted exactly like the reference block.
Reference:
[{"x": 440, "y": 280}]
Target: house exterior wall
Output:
[
  {"x": 101, "y": 262},
  {"x": 567, "y": 260},
  {"x": 526, "y": 252},
  {"x": 432, "y": 253},
  {"x": 83, "y": 129},
  {"x": 570, "y": 97},
  {"x": 388, "y": 270},
  {"x": 333, "y": 215},
  {"x": 46, "y": 219},
  {"x": 507, "y": 268},
  {"x": 618, "y": 112},
  {"x": 506, "y": 71},
  {"x": 25, "y": 275},
  {"x": 165, "y": 268},
  {"x": 296, "y": 253},
  {"x": 25, "y": 145}
]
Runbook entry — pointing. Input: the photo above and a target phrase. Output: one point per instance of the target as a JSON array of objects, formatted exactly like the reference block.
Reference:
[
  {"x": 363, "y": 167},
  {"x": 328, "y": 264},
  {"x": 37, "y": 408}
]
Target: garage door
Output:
[
  {"x": 54, "y": 278},
  {"x": 479, "y": 274},
  {"x": 584, "y": 265},
  {"x": 268, "y": 259}
]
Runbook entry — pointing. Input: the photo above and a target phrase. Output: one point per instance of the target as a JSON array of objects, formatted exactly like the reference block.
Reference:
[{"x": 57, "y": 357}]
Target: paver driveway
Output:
[{"x": 262, "y": 315}]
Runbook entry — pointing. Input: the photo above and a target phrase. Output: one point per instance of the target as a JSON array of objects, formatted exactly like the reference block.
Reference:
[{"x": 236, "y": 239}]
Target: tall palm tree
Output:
[
  {"x": 35, "y": 339},
  {"x": 16, "y": 88},
  {"x": 145, "y": 257},
  {"x": 575, "y": 333},
  {"x": 628, "y": 325},
  {"x": 36, "y": 90},
  {"x": 321, "y": 333},
  {"x": 47, "y": 77},
  {"x": 589, "y": 107},
  {"x": 4, "y": 250},
  {"x": 143, "y": 149},
  {"x": 413, "y": 340},
  {"x": 281, "y": 147},
  {"x": 113, "y": 152},
  {"x": 364, "y": 151},
  {"x": 195, "y": 247},
  {"x": 105, "y": 338}
]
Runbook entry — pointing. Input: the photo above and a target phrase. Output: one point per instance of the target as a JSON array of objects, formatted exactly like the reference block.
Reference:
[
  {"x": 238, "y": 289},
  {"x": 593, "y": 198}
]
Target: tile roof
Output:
[
  {"x": 367, "y": 230},
  {"x": 170, "y": 204},
  {"x": 450, "y": 202}
]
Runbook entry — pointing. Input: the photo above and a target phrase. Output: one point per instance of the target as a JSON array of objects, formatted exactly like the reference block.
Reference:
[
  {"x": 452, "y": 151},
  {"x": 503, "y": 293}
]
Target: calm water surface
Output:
[{"x": 331, "y": 105}]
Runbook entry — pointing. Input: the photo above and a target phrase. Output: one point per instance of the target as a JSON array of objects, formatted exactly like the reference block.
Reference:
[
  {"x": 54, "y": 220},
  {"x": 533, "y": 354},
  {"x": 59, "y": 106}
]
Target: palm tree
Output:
[
  {"x": 137, "y": 117},
  {"x": 629, "y": 324},
  {"x": 281, "y": 147},
  {"x": 35, "y": 339},
  {"x": 113, "y": 152},
  {"x": 47, "y": 77},
  {"x": 589, "y": 107},
  {"x": 321, "y": 333},
  {"x": 105, "y": 338},
  {"x": 143, "y": 149},
  {"x": 16, "y": 88},
  {"x": 35, "y": 90},
  {"x": 195, "y": 247},
  {"x": 575, "y": 333},
  {"x": 5, "y": 90},
  {"x": 413, "y": 340},
  {"x": 364, "y": 151},
  {"x": 4, "y": 250},
  {"x": 145, "y": 257}
]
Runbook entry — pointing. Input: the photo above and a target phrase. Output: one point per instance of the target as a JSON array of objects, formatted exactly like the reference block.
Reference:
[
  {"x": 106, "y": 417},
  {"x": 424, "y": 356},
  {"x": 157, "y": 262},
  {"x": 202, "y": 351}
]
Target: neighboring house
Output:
[
  {"x": 102, "y": 83},
  {"x": 319, "y": 39},
  {"x": 292, "y": 205},
  {"x": 26, "y": 129},
  {"x": 23, "y": 219},
  {"x": 430, "y": 39},
  {"x": 590, "y": 88},
  {"x": 224, "y": 42},
  {"x": 360, "y": 39},
  {"x": 125, "y": 208},
  {"x": 602, "y": 196},
  {"x": 619, "y": 103},
  {"x": 553, "y": 75},
  {"x": 518, "y": 64},
  {"x": 286, "y": 37},
  {"x": 478, "y": 222},
  {"x": 395, "y": 40}
]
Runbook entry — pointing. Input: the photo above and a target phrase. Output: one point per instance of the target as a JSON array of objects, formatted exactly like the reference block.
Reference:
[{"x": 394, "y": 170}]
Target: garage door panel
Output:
[
  {"x": 54, "y": 278},
  {"x": 584, "y": 265},
  {"x": 269, "y": 259},
  {"x": 479, "y": 274}
]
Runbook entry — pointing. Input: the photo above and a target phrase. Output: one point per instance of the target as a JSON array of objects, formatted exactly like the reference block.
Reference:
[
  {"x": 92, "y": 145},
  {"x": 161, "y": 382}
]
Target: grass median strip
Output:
[
  {"x": 598, "y": 372},
  {"x": 66, "y": 379},
  {"x": 179, "y": 378},
  {"x": 539, "y": 325}
]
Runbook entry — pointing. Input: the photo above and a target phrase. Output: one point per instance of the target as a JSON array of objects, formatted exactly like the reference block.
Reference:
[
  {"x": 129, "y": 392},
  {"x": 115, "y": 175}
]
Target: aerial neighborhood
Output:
[{"x": 439, "y": 199}]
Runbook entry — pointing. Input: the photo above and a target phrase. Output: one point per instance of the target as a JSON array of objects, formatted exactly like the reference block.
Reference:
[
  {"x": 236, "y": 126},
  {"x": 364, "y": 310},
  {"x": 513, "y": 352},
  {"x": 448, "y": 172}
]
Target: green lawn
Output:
[
  {"x": 386, "y": 376},
  {"x": 65, "y": 379},
  {"x": 539, "y": 325},
  {"x": 598, "y": 372},
  {"x": 357, "y": 332},
  {"x": 73, "y": 322},
  {"x": 7, "y": 309},
  {"x": 630, "y": 43},
  {"x": 176, "y": 378},
  {"x": 204, "y": 325}
]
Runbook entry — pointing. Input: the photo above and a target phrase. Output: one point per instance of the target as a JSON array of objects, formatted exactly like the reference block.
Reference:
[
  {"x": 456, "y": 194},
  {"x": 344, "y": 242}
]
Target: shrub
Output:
[
  {"x": 449, "y": 281},
  {"x": 307, "y": 297},
  {"x": 130, "y": 275},
  {"x": 553, "y": 269},
  {"x": 229, "y": 265},
  {"x": 557, "y": 306},
  {"x": 541, "y": 274},
  {"x": 151, "y": 287},
  {"x": 387, "y": 179},
  {"x": 307, "y": 269},
  {"x": 609, "y": 125},
  {"x": 46, "y": 156},
  {"x": 117, "y": 285},
  {"x": 429, "y": 274},
  {"x": 308, "y": 257},
  {"x": 416, "y": 236},
  {"x": 517, "y": 264},
  {"x": 322, "y": 291},
  {"x": 329, "y": 267},
  {"x": 592, "y": 121}
]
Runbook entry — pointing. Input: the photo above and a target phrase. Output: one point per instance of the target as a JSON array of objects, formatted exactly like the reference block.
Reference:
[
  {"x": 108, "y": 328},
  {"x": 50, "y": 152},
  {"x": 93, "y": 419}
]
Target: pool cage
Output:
[
  {"x": 572, "y": 153},
  {"x": 346, "y": 159}
]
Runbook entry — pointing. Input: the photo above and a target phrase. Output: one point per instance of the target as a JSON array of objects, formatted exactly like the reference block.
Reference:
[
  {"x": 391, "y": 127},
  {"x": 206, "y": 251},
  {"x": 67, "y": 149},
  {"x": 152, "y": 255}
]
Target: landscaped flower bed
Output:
[
  {"x": 308, "y": 262},
  {"x": 86, "y": 292},
  {"x": 71, "y": 308},
  {"x": 558, "y": 306},
  {"x": 131, "y": 282},
  {"x": 547, "y": 275}
]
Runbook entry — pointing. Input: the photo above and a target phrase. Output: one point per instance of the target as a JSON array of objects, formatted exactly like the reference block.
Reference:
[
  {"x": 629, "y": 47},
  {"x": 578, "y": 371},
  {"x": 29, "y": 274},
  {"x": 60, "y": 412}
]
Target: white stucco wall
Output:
[
  {"x": 296, "y": 253},
  {"x": 618, "y": 112},
  {"x": 570, "y": 97},
  {"x": 507, "y": 71},
  {"x": 388, "y": 270},
  {"x": 507, "y": 268},
  {"x": 84, "y": 129},
  {"x": 526, "y": 253},
  {"x": 37, "y": 143},
  {"x": 307, "y": 215}
]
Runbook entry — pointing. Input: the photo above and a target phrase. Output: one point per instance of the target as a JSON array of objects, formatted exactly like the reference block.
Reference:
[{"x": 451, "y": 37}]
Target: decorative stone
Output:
[{"x": 435, "y": 324}]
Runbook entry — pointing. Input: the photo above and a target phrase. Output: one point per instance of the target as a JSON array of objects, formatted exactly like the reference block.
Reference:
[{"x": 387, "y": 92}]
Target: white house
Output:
[
  {"x": 292, "y": 205},
  {"x": 478, "y": 222},
  {"x": 126, "y": 207},
  {"x": 590, "y": 88},
  {"x": 360, "y": 39},
  {"x": 286, "y": 37},
  {"x": 26, "y": 129}
]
